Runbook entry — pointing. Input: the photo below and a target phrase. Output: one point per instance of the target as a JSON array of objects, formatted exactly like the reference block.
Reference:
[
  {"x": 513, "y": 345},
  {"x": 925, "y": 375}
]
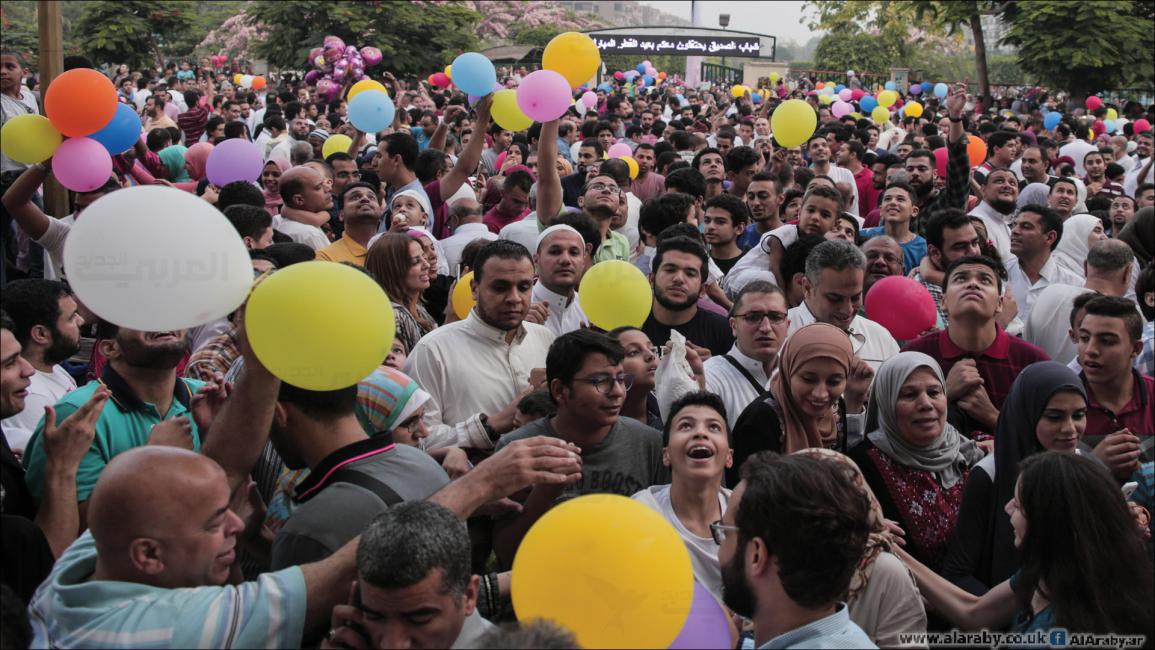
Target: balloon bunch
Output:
[
  {"x": 335, "y": 62},
  {"x": 218, "y": 61},
  {"x": 644, "y": 74}
]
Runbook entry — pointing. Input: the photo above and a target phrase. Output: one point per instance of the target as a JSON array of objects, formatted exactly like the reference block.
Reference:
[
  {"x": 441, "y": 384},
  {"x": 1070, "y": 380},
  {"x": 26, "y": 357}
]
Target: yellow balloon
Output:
[
  {"x": 366, "y": 84},
  {"x": 913, "y": 109},
  {"x": 738, "y": 91},
  {"x": 506, "y": 112},
  {"x": 824, "y": 99},
  {"x": 449, "y": 71},
  {"x": 633, "y": 165},
  {"x": 462, "y": 298},
  {"x": 793, "y": 122},
  {"x": 856, "y": 115},
  {"x": 880, "y": 114},
  {"x": 615, "y": 293},
  {"x": 237, "y": 79},
  {"x": 1112, "y": 114},
  {"x": 29, "y": 139},
  {"x": 574, "y": 55},
  {"x": 335, "y": 143},
  {"x": 887, "y": 98},
  {"x": 604, "y": 548},
  {"x": 774, "y": 77},
  {"x": 320, "y": 325}
]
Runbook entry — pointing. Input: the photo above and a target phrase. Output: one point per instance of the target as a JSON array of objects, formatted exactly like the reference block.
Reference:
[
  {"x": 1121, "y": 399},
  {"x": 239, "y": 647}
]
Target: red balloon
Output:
[
  {"x": 940, "y": 161},
  {"x": 856, "y": 94},
  {"x": 1094, "y": 103},
  {"x": 1141, "y": 126},
  {"x": 440, "y": 80},
  {"x": 901, "y": 305}
]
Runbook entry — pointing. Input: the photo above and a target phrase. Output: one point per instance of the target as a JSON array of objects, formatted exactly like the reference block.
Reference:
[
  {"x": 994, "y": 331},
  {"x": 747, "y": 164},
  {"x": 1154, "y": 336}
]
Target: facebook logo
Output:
[{"x": 1057, "y": 638}]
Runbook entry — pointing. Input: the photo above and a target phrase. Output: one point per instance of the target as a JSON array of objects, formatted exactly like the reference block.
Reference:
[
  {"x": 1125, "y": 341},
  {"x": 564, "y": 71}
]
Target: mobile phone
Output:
[{"x": 1129, "y": 489}]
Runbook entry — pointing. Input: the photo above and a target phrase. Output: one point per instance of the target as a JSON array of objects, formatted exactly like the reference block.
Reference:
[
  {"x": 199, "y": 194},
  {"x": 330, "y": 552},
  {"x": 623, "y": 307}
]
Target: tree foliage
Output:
[
  {"x": 862, "y": 36},
  {"x": 413, "y": 38},
  {"x": 137, "y": 32},
  {"x": 537, "y": 35},
  {"x": 1085, "y": 47}
]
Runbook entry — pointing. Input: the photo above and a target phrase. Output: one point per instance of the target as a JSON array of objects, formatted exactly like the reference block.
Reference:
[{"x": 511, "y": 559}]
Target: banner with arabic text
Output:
[{"x": 689, "y": 45}]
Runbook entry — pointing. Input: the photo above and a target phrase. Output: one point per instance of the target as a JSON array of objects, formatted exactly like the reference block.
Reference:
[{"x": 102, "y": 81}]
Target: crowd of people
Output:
[{"x": 835, "y": 486}]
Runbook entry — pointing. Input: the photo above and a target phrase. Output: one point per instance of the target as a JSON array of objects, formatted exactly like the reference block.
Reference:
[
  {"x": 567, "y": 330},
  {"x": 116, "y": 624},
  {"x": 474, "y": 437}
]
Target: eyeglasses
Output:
[
  {"x": 755, "y": 317},
  {"x": 718, "y": 531},
  {"x": 598, "y": 187},
  {"x": 605, "y": 383}
]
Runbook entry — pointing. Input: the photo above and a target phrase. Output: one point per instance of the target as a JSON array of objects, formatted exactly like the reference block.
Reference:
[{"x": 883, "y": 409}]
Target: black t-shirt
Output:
[
  {"x": 706, "y": 329},
  {"x": 15, "y": 498},
  {"x": 726, "y": 265}
]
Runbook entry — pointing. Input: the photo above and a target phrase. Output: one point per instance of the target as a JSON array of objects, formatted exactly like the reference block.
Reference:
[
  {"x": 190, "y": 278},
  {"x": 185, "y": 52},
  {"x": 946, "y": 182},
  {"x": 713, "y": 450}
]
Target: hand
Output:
[
  {"x": 1010, "y": 310},
  {"x": 502, "y": 421},
  {"x": 209, "y": 400},
  {"x": 987, "y": 445},
  {"x": 451, "y": 112},
  {"x": 537, "y": 378},
  {"x": 399, "y": 223},
  {"x": 857, "y": 385},
  {"x": 1120, "y": 452},
  {"x": 456, "y": 464},
  {"x": 67, "y": 443},
  {"x": 161, "y": 181},
  {"x": 895, "y": 532},
  {"x": 962, "y": 379},
  {"x": 956, "y": 101},
  {"x": 173, "y": 432},
  {"x": 347, "y": 625},
  {"x": 977, "y": 404},
  {"x": 247, "y": 504},
  {"x": 541, "y": 460},
  {"x": 538, "y": 312}
]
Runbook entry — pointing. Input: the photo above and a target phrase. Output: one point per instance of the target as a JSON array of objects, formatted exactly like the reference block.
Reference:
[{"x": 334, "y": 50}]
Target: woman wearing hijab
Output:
[
  {"x": 1034, "y": 194},
  {"x": 1046, "y": 410},
  {"x": 914, "y": 461},
  {"x": 173, "y": 158},
  {"x": 271, "y": 183},
  {"x": 883, "y": 599},
  {"x": 1080, "y": 232},
  {"x": 1139, "y": 234},
  {"x": 805, "y": 407},
  {"x": 195, "y": 160}
]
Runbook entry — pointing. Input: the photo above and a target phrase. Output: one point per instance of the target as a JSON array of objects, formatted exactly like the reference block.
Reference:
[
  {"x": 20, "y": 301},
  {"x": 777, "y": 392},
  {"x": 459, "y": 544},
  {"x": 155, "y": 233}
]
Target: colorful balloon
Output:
[
  {"x": 941, "y": 90},
  {"x": 890, "y": 85},
  {"x": 337, "y": 142},
  {"x": 1094, "y": 103},
  {"x": 707, "y": 626},
  {"x": 371, "y": 111},
  {"x": 340, "y": 338},
  {"x": 633, "y": 165},
  {"x": 976, "y": 151},
  {"x": 916, "y": 89},
  {"x": 845, "y": 94},
  {"x": 30, "y": 138},
  {"x": 259, "y": 83},
  {"x": 841, "y": 108},
  {"x": 1051, "y": 120},
  {"x": 901, "y": 305},
  {"x": 462, "y": 298},
  {"x": 574, "y": 56},
  {"x": 1141, "y": 125},
  {"x": 879, "y": 115},
  {"x": 234, "y": 159},
  {"x": 121, "y": 132},
  {"x": 367, "y": 84},
  {"x": 618, "y": 150},
  {"x": 544, "y": 95},
  {"x": 80, "y": 102},
  {"x": 1112, "y": 114},
  {"x": 589, "y": 99},
  {"x": 439, "y": 80},
  {"x": 622, "y": 544},
  {"x": 913, "y": 109},
  {"x": 155, "y": 269},
  {"x": 793, "y": 122},
  {"x": 615, "y": 293},
  {"x": 887, "y": 98},
  {"x": 867, "y": 103},
  {"x": 475, "y": 74},
  {"x": 506, "y": 112},
  {"x": 81, "y": 164},
  {"x": 371, "y": 56}
]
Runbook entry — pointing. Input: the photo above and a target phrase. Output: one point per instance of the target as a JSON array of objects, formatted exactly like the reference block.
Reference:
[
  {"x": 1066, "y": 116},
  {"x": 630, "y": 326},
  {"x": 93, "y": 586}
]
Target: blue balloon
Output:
[
  {"x": 756, "y": 97},
  {"x": 474, "y": 74},
  {"x": 890, "y": 85},
  {"x": 649, "y": 81},
  {"x": 641, "y": 68},
  {"x": 121, "y": 132},
  {"x": 371, "y": 111},
  {"x": 867, "y": 103},
  {"x": 1052, "y": 120},
  {"x": 839, "y": 88},
  {"x": 940, "y": 90},
  {"x": 606, "y": 88},
  {"x": 1110, "y": 126}
]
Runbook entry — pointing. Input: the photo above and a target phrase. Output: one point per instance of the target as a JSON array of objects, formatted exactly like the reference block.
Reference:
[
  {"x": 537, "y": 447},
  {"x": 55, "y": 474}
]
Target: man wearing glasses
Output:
[
  {"x": 759, "y": 321},
  {"x": 619, "y": 455},
  {"x": 600, "y": 199}
]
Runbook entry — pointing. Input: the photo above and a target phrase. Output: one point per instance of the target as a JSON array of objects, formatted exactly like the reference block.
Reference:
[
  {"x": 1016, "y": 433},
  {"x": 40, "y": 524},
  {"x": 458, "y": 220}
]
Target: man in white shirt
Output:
[
  {"x": 1077, "y": 148},
  {"x": 306, "y": 207},
  {"x": 1142, "y": 171},
  {"x": 476, "y": 370},
  {"x": 1000, "y": 195},
  {"x": 819, "y": 150},
  {"x": 1030, "y": 269},
  {"x": 562, "y": 258},
  {"x": 835, "y": 272},
  {"x": 760, "y": 322},
  {"x": 465, "y": 220},
  {"x": 47, "y": 325}
]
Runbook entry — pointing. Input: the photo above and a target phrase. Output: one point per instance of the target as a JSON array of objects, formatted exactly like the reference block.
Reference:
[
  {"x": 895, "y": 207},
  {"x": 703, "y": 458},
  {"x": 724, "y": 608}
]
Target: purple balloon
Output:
[
  {"x": 335, "y": 41},
  {"x": 916, "y": 89},
  {"x": 706, "y": 627},
  {"x": 233, "y": 160},
  {"x": 371, "y": 55},
  {"x": 544, "y": 95},
  {"x": 311, "y": 77}
]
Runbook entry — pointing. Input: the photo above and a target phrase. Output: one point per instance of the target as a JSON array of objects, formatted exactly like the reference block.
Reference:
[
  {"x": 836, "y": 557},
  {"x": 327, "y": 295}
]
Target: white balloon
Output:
[
  {"x": 155, "y": 258},
  {"x": 247, "y": 81}
]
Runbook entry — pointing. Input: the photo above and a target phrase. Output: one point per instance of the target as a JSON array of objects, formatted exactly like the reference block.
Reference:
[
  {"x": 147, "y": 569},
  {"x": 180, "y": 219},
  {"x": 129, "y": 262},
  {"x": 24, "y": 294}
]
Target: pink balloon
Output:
[
  {"x": 590, "y": 99},
  {"x": 544, "y": 95},
  {"x": 233, "y": 160},
  {"x": 841, "y": 108},
  {"x": 619, "y": 76},
  {"x": 1094, "y": 103},
  {"x": 371, "y": 55},
  {"x": 619, "y": 150},
  {"x": 440, "y": 80},
  {"x": 940, "y": 156},
  {"x": 1141, "y": 126},
  {"x": 856, "y": 94},
  {"x": 335, "y": 41},
  {"x": 901, "y": 305},
  {"x": 81, "y": 164},
  {"x": 311, "y": 77},
  {"x": 846, "y": 94}
]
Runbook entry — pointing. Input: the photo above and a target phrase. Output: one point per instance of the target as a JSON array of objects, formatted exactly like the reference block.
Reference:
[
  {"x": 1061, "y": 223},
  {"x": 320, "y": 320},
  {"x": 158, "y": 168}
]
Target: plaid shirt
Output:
[
  {"x": 998, "y": 365},
  {"x": 217, "y": 355},
  {"x": 958, "y": 179},
  {"x": 935, "y": 291}
]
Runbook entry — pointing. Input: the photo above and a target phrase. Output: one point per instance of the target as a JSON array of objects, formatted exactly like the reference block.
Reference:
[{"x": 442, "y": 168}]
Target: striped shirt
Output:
[
  {"x": 193, "y": 123},
  {"x": 71, "y": 611}
]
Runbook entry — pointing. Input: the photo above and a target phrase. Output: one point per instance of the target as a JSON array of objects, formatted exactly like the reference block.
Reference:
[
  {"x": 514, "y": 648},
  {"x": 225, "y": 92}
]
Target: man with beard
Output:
[
  {"x": 561, "y": 260},
  {"x": 146, "y": 392},
  {"x": 1096, "y": 180},
  {"x": 679, "y": 275},
  {"x": 997, "y": 210},
  {"x": 1063, "y": 197},
  {"x": 648, "y": 183},
  {"x": 1122, "y": 210},
  {"x": 47, "y": 325},
  {"x": 921, "y": 170},
  {"x": 362, "y": 216},
  {"x": 806, "y": 509},
  {"x": 1031, "y": 268},
  {"x": 589, "y": 155}
]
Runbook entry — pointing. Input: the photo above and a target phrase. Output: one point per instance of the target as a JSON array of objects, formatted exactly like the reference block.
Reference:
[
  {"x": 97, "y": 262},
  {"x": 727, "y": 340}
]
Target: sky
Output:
[{"x": 779, "y": 18}]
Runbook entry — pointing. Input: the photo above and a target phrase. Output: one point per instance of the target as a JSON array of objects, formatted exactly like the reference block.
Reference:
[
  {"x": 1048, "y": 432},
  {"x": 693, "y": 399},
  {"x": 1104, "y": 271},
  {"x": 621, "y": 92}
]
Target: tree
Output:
[
  {"x": 952, "y": 15},
  {"x": 138, "y": 33},
  {"x": 863, "y": 36},
  {"x": 413, "y": 38},
  {"x": 1085, "y": 47},
  {"x": 537, "y": 35},
  {"x": 854, "y": 51}
]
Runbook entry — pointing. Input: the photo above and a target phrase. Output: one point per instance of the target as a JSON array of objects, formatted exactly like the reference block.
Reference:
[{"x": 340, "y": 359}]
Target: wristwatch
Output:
[
  {"x": 956, "y": 120},
  {"x": 489, "y": 431}
]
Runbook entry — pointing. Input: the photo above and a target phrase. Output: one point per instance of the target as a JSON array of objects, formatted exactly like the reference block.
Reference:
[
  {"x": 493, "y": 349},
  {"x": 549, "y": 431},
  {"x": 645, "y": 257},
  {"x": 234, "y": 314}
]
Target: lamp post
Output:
[{"x": 724, "y": 22}]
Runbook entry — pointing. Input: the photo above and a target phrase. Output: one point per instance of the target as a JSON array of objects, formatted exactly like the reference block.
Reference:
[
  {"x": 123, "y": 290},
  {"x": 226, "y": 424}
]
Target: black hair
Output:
[
  {"x": 1000, "y": 139},
  {"x": 663, "y": 211},
  {"x": 740, "y": 158},
  {"x": 569, "y": 351},
  {"x": 250, "y": 221},
  {"x": 948, "y": 218},
  {"x": 429, "y": 163},
  {"x": 235, "y": 129},
  {"x": 585, "y": 225},
  {"x": 320, "y": 405},
  {"x": 401, "y": 144},
  {"x": 290, "y": 253},
  {"x": 592, "y": 143},
  {"x": 734, "y": 207},
  {"x": 501, "y": 249},
  {"x": 687, "y": 181},
  {"x": 682, "y": 245},
  {"x": 695, "y": 398},
  {"x": 981, "y": 260},
  {"x": 158, "y": 139},
  {"x": 1079, "y": 303},
  {"x": 1121, "y": 308},
  {"x": 240, "y": 193},
  {"x": 357, "y": 184},
  {"x": 32, "y": 302},
  {"x": 1144, "y": 285},
  {"x": 1068, "y": 181},
  {"x": 824, "y": 192},
  {"x": 703, "y": 153},
  {"x": 1049, "y": 220}
]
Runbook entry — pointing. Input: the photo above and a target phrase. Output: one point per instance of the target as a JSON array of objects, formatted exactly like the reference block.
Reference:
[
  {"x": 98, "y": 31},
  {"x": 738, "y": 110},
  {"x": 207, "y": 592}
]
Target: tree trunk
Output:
[{"x": 981, "y": 59}]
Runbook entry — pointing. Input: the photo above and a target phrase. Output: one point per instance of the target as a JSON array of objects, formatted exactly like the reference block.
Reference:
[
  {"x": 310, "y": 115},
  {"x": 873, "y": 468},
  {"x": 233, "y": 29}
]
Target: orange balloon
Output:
[
  {"x": 258, "y": 83},
  {"x": 820, "y": 85},
  {"x": 80, "y": 102},
  {"x": 976, "y": 150}
]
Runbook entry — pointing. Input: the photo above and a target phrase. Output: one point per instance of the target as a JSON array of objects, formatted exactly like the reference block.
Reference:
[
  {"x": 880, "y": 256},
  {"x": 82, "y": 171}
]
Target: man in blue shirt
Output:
[{"x": 806, "y": 508}]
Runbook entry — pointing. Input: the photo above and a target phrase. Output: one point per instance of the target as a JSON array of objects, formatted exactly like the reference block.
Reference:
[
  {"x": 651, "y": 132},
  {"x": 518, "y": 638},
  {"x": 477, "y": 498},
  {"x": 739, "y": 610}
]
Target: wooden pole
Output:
[{"x": 51, "y": 32}]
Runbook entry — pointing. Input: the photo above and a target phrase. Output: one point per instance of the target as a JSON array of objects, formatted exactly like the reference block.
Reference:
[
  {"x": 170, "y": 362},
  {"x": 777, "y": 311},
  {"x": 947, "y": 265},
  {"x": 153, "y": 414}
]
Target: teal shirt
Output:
[{"x": 124, "y": 424}]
